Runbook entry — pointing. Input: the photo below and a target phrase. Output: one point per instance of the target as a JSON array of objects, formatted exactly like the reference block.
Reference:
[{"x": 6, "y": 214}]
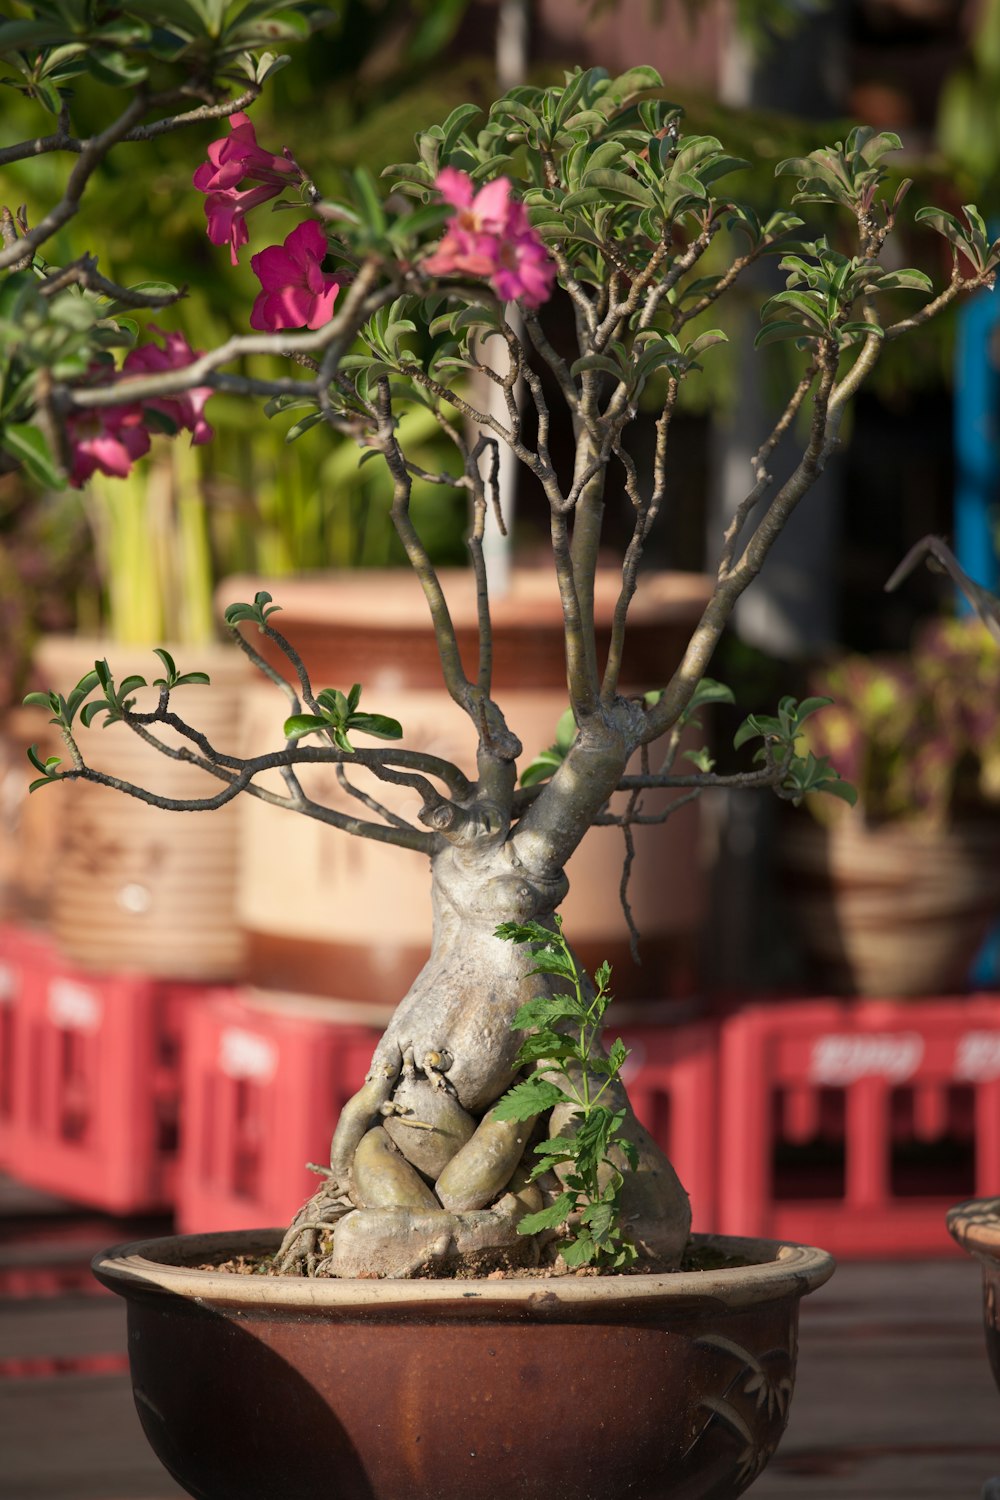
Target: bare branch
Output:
[
  {"x": 380, "y": 810},
  {"x": 646, "y": 514},
  {"x": 940, "y": 558},
  {"x": 358, "y": 304},
  {"x": 91, "y": 157},
  {"x": 84, "y": 273},
  {"x": 728, "y": 589},
  {"x": 758, "y": 465},
  {"x": 62, "y": 140}
]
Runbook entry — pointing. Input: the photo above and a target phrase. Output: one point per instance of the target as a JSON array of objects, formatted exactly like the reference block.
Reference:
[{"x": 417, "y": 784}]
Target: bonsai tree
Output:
[{"x": 568, "y": 247}]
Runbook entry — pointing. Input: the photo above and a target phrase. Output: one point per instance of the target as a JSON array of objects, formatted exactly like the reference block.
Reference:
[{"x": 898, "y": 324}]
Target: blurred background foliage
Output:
[{"x": 358, "y": 91}]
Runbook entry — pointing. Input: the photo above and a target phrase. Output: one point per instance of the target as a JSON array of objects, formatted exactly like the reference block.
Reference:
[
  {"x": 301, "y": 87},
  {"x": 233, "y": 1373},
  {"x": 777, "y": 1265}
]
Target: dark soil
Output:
[{"x": 503, "y": 1265}]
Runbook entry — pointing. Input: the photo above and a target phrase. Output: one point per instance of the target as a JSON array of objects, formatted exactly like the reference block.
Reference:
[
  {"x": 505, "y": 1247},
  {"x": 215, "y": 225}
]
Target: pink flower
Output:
[
  {"x": 185, "y": 409},
  {"x": 232, "y": 160},
  {"x": 109, "y": 439},
  {"x": 296, "y": 291},
  {"x": 490, "y": 236},
  {"x": 104, "y": 439}
]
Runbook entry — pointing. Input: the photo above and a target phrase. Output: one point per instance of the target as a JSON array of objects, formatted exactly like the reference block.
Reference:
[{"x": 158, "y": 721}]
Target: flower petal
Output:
[{"x": 455, "y": 187}]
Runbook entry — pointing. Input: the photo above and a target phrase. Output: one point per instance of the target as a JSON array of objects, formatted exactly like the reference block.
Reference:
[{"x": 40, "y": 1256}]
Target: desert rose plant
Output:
[{"x": 569, "y": 246}]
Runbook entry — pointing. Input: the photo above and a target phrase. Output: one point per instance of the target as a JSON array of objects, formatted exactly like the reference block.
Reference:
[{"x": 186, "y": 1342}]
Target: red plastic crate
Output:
[
  {"x": 263, "y": 1084},
  {"x": 670, "y": 1075},
  {"x": 855, "y": 1124},
  {"x": 89, "y": 1078}
]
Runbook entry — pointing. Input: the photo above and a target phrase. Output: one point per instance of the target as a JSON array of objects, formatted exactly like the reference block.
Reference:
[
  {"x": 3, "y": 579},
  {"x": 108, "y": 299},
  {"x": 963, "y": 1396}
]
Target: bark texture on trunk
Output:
[{"x": 421, "y": 1173}]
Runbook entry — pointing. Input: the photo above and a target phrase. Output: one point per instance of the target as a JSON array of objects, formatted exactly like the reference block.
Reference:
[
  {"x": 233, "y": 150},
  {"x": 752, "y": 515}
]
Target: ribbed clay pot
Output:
[
  {"x": 134, "y": 886},
  {"x": 893, "y": 909},
  {"x": 350, "y": 918},
  {"x": 670, "y": 1387},
  {"x": 976, "y": 1226}
]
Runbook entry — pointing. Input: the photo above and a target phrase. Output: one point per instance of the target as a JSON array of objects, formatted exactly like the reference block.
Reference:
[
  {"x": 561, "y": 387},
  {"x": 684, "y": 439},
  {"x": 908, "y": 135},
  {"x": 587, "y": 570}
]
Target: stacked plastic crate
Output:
[
  {"x": 89, "y": 1077},
  {"x": 856, "y": 1124}
]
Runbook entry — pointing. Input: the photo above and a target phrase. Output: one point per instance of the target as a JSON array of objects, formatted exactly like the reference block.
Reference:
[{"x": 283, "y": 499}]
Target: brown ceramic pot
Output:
[
  {"x": 136, "y": 887},
  {"x": 894, "y": 909},
  {"x": 671, "y": 1387},
  {"x": 350, "y": 919},
  {"x": 976, "y": 1227}
]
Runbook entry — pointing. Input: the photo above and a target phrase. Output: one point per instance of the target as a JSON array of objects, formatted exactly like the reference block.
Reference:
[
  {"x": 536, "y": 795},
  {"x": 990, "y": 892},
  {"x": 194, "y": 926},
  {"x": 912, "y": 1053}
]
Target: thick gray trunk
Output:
[{"x": 420, "y": 1172}]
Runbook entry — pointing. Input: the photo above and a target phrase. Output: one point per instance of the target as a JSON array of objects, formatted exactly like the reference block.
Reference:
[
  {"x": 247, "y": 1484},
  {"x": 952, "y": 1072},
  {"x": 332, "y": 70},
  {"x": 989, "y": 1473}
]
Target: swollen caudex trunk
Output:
[{"x": 422, "y": 1173}]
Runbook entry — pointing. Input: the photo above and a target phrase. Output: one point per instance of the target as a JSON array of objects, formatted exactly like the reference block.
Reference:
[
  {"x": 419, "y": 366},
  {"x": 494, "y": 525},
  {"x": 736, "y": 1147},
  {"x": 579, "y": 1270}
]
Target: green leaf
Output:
[
  {"x": 169, "y": 665},
  {"x": 533, "y": 1096},
  {"x": 369, "y": 201},
  {"x": 377, "y": 725},
  {"x": 26, "y": 444},
  {"x": 36, "y": 759},
  {"x": 578, "y": 1251},
  {"x": 708, "y": 690},
  {"x": 915, "y": 281},
  {"x": 258, "y": 611},
  {"x": 335, "y": 703},
  {"x": 617, "y": 187},
  {"x": 524, "y": 932},
  {"x": 754, "y": 727},
  {"x": 772, "y": 332},
  {"x": 299, "y": 724},
  {"x": 546, "y": 1046},
  {"x": 89, "y": 711},
  {"x": 839, "y": 788},
  {"x": 542, "y": 767},
  {"x": 548, "y": 1218},
  {"x": 701, "y": 759},
  {"x": 617, "y": 1054},
  {"x": 550, "y": 960},
  {"x": 597, "y": 362},
  {"x": 810, "y": 706},
  {"x": 542, "y": 1010}
]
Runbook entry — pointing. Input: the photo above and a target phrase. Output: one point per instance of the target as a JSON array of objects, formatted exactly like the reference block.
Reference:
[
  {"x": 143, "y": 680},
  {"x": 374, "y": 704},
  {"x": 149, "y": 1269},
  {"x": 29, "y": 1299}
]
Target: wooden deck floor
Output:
[{"x": 894, "y": 1395}]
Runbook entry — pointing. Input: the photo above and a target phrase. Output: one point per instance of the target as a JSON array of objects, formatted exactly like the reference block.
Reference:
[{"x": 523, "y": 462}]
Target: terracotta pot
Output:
[
  {"x": 894, "y": 909},
  {"x": 670, "y": 1387},
  {"x": 29, "y": 825},
  {"x": 137, "y": 887},
  {"x": 351, "y": 919},
  {"x": 976, "y": 1226}
]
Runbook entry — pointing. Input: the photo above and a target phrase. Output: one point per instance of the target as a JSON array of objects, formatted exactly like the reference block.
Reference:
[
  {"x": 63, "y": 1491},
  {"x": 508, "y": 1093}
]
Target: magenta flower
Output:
[
  {"x": 104, "y": 441},
  {"x": 109, "y": 439},
  {"x": 185, "y": 409},
  {"x": 234, "y": 159},
  {"x": 297, "y": 293},
  {"x": 490, "y": 236}
]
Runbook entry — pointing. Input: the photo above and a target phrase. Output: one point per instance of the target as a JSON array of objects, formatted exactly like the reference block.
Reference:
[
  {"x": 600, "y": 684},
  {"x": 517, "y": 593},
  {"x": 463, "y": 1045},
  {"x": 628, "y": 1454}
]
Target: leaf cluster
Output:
[
  {"x": 602, "y": 161},
  {"x": 122, "y": 45},
  {"x": 822, "y": 287},
  {"x": 66, "y": 336},
  {"x": 338, "y": 714},
  {"x": 780, "y": 734},
  {"x": 561, "y": 1047}
]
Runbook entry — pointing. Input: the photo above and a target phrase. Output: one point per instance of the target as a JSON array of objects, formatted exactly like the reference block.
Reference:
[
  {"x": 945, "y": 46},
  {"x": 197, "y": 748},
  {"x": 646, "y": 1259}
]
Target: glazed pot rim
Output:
[
  {"x": 975, "y": 1224},
  {"x": 167, "y": 1265}
]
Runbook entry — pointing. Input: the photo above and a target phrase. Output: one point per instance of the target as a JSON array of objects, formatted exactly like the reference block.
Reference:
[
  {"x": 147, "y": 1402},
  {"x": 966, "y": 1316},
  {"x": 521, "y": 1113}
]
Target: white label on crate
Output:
[
  {"x": 73, "y": 1006},
  {"x": 6, "y": 984},
  {"x": 840, "y": 1060},
  {"x": 977, "y": 1056},
  {"x": 244, "y": 1054}
]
